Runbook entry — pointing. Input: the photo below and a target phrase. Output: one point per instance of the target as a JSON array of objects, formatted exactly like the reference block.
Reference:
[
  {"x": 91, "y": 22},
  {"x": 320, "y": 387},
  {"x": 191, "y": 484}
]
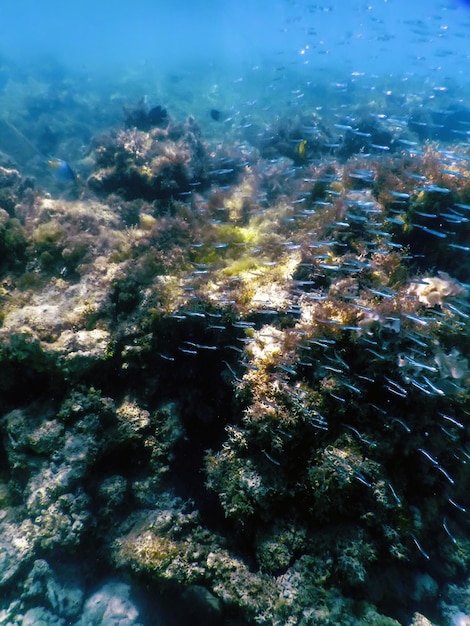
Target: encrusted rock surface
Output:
[{"x": 243, "y": 398}]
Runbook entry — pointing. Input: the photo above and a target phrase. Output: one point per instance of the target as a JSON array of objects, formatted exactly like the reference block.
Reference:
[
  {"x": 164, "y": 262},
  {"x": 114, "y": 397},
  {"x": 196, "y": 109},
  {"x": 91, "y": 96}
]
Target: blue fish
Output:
[{"x": 62, "y": 169}]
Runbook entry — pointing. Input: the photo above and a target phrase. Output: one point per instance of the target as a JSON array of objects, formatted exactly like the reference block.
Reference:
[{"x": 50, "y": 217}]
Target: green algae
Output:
[{"x": 12, "y": 243}]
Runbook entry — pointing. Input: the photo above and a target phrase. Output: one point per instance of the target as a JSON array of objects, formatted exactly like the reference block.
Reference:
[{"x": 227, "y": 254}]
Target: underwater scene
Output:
[{"x": 235, "y": 313}]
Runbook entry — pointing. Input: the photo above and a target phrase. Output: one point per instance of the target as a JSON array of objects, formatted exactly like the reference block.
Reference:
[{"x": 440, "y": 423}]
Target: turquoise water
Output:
[
  {"x": 373, "y": 37},
  {"x": 219, "y": 42},
  {"x": 138, "y": 314},
  {"x": 249, "y": 59},
  {"x": 82, "y": 62}
]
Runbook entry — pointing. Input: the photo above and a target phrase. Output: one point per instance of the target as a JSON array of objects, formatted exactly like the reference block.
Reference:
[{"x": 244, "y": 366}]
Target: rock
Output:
[
  {"x": 201, "y": 607},
  {"x": 110, "y": 606},
  {"x": 112, "y": 493},
  {"x": 17, "y": 543},
  {"x": 41, "y": 617},
  {"x": 420, "y": 620},
  {"x": 60, "y": 591}
]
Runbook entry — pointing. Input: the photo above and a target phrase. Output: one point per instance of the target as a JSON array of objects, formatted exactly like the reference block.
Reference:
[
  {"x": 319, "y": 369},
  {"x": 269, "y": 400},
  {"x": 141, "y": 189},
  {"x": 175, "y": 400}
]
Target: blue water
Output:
[
  {"x": 234, "y": 39},
  {"x": 251, "y": 60}
]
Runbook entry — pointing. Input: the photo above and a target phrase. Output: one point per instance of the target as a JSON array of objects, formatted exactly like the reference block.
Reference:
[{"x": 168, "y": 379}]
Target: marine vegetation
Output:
[{"x": 237, "y": 374}]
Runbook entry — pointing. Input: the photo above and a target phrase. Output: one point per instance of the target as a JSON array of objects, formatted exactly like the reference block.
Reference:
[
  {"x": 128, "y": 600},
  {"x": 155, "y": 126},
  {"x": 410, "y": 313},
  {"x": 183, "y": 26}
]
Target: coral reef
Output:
[
  {"x": 167, "y": 161},
  {"x": 238, "y": 376}
]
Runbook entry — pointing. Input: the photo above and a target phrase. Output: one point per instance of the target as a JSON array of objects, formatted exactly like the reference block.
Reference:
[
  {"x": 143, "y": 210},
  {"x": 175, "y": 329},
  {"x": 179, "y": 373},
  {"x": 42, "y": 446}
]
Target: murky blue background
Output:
[{"x": 381, "y": 35}]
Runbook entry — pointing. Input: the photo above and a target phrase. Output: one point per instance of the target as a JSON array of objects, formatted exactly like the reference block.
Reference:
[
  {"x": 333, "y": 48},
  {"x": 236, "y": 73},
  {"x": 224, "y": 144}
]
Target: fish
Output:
[
  {"x": 216, "y": 115},
  {"x": 62, "y": 169},
  {"x": 301, "y": 149}
]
